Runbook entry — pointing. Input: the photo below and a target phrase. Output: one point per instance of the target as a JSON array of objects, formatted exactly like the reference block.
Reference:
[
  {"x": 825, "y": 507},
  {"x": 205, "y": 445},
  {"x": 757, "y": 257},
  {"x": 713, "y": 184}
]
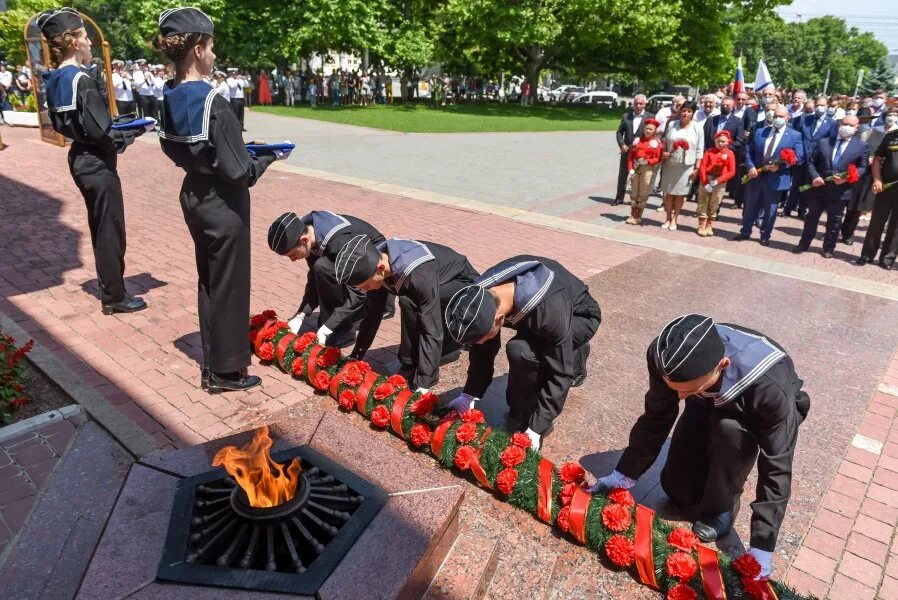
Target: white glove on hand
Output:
[
  {"x": 323, "y": 332},
  {"x": 150, "y": 126},
  {"x": 709, "y": 188},
  {"x": 712, "y": 183},
  {"x": 296, "y": 322},
  {"x": 611, "y": 481},
  {"x": 632, "y": 172},
  {"x": 764, "y": 559},
  {"x": 463, "y": 403},
  {"x": 281, "y": 154},
  {"x": 422, "y": 391},
  {"x": 535, "y": 439}
]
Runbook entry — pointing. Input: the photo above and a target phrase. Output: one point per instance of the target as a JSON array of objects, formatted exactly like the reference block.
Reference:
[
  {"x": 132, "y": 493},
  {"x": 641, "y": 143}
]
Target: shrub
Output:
[{"x": 11, "y": 371}]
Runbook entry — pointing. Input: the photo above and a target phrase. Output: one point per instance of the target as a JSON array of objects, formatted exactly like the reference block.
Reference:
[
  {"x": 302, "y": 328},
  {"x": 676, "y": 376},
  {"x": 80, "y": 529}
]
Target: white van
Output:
[{"x": 597, "y": 98}]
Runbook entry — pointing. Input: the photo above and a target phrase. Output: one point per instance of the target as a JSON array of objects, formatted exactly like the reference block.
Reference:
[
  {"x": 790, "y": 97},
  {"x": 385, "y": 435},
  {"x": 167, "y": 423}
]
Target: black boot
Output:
[
  {"x": 237, "y": 381},
  {"x": 204, "y": 378},
  {"x": 389, "y": 312},
  {"x": 128, "y": 304},
  {"x": 713, "y": 527},
  {"x": 578, "y": 380},
  {"x": 451, "y": 357}
]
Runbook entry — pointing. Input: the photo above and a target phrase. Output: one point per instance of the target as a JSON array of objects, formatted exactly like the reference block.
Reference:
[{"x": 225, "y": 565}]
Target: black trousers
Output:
[
  {"x": 734, "y": 186},
  {"x": 148, "y": 106},
  {"x": 797, "y": 200},
  {"x": 819, "y": 201},
  {"x": 218, "y": 219},
  {"x": 884, "y": 217},
  {"x": 409, "y": 333},
  {"x": 332, "y": 295},
  {"x": 99, "y": 184},
  {"x": 125, "y": 107},
  {"x": 622, "y": 174},
  {"x": 238, "y": 105},
  {"x": 711, "y": 455},
  {"x": 525, "y": 372},
  {"x": 850, "y": 223}
]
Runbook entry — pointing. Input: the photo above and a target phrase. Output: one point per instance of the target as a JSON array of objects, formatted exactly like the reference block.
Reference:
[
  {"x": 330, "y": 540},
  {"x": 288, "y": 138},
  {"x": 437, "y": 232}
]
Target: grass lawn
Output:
[{"x": 420, "y": 118}]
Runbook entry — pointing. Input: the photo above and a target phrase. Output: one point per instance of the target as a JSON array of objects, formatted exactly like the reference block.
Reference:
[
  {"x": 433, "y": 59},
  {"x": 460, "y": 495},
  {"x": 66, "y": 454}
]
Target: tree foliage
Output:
[
  {"x": 881, "y": 78},
  {"x": 12, "y": 24}
]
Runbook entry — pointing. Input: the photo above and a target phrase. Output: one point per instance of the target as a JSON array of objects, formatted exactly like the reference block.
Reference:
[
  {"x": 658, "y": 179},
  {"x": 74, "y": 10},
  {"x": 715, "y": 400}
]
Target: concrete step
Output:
[{"x": 468, "y": 569}]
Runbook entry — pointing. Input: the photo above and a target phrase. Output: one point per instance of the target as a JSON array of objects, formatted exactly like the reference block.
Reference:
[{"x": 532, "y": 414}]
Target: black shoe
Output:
[
  {"x": 827, "y": 254},
  {"x": 238, "y": 381},
  {"x": 204, "y": 378},
  {"x": 579, "y": 379},
  {"x": 617, "y": 202},
  {"x": 886, "y": 266},
  {"x": 799, "y": 249},
  {"x": 389, "y": 313},
  {"x": 801, "y": 214},
  {"x": 128, "y": 304},
  {"x": 786, "y": 213},
  {"x": 450, "y": 357},
  {"x": 709, "y": 529},
  {"x": 740, "y": 237},
  {"x": 862, "y": 261},
  {"x": 765, "y": 241},
  {"x": 847, "y": 241}
]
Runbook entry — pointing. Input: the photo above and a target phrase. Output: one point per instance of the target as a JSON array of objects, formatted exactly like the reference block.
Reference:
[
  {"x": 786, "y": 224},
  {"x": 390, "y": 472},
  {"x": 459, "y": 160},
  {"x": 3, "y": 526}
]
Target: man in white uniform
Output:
[
  {"x": 121, "y": 85},
  {"x": 236, "y": 83}
]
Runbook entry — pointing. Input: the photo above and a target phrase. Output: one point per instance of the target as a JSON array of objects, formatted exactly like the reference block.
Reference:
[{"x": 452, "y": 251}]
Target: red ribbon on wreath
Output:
[
  {"x": 361, "y": 394},
  {"x": 281, "y": 350},
  {"x": 311, "y": 367},
  {"x": 579, "y": 507},
  {"x": 476, "y": 467},
  {"x": 712, "y": 578},
  {"x": 645, "y": 561},
  {"x": 544, "y": 495},
  {"x": 439, "y": 434},
  {"x": 261, "y": 331},
  {"x": 399, "y": 404},
  {"x": 338, "y": 378}
]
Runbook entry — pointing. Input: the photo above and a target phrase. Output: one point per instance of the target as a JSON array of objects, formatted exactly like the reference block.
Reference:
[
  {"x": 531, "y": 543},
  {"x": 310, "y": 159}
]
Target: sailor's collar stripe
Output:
[
  {"x": 74, "y": 99},
  {"x": 534, "y": 300},
  {"x": 204, "y": 134},
  {"x": 412, "y": 266},
  {"x": 488, "y": 281}
]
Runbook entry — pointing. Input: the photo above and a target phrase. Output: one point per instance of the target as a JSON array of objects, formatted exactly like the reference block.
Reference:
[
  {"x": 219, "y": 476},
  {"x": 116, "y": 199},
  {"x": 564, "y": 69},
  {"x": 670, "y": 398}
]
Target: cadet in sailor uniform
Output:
[
  {"x": 121, "y": 83},
  {"x": 78, "y": 110},
  {"x": 318, "y": 237},
  {"x": 201, "y": 135},
  {"x": 236, "y": 83},
  {"x": 143, "y": 83},
  {"x": 425, "y": 276},
  {"x": 554, "y": 317},
  {"x": 158, "y": 81},
  {"x": 221, "y": 86},
  {"x": 743, "y": 403}
]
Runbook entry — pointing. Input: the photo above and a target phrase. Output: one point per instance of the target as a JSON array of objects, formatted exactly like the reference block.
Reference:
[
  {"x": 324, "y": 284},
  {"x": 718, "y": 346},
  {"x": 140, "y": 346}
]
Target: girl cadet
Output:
[
  {"x": 202, "y": 136},
  {"x": 78, "y": 110}
]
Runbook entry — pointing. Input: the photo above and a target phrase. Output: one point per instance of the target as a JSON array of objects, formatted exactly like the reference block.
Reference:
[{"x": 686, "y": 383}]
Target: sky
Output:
[{"x": 878, "y": 17}]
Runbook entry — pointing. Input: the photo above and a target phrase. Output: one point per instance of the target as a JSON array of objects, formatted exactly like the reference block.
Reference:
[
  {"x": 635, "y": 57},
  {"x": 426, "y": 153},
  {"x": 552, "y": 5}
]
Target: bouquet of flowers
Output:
[
  {"x": 889, "y": 185},
  {"x": 786, "y": 159},
  {"x": 850, "y": 175}
]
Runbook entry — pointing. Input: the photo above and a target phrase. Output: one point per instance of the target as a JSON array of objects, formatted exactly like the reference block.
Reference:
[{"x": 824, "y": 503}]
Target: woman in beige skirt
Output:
[{"x": 684, "y": 146}]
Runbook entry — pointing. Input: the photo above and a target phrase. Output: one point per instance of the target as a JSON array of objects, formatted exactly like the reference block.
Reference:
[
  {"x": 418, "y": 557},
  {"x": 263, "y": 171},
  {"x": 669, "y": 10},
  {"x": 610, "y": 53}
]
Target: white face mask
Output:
[
  {"x": 878, "y": 102},
  {"x": 831, "y": 111},
  {"x": 891, "y": 120},
  {"x": 851, "y": 112},
  {"x": 779, "y": 122},
  {"x": 846, "y": 131},
  {"x": 769, "y": 114},
  {"x": 821, "y": 110}
]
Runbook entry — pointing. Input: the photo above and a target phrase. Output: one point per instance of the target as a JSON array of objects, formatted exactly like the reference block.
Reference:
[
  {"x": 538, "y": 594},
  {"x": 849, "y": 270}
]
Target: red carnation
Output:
[
  {"x": 257, "y": 321},
  {"x": 298, "y": 367},
  {"x": 265, "y": 351},
  {"x": 571, "y": 472},
  {"x": 363, "y": 366},
  {"x": 397, "y": 380},
  {"x": 619, "y": 550},
  {"x": 681, "y": 566},
  {"x": 424, "y": 405},
  {"x": 681, "y": 591},
  {"x": 419, "y": 435},
  {"x": 622, "y": 497},
  {"x": 322, "y": 381},
  {"x": 852, "y": 174},
  {"x": 755, "y": 589},
  {"x": 463, "y": 457},
  {"x": 466, "y": 433},
  {"x": 682, "y": 539},
  {"x": 473, "y": 416},
  {"x": 521, "y": 440},
  {"x": 353, "y": 376},
  {"x": 505, "y": 481},
  {"x": 564, "y": 519},
  {"x": 747, "y": 566},
  {"x": 383, "y": 391},
  {"x": 513, "y": 456},
  {"x": 787, "y": 156},
  {"x": 567, "y": 493},
  {"x": 328, "y": 357},
  {"x": 269, "y": 314},
  {"x": 680, "y": 144},
  {"x": 380, "y": 416},
  {"x": 616, "y": 517},
  {"x": 303, "y": 341},
  {"x": 347, "y": 400}
]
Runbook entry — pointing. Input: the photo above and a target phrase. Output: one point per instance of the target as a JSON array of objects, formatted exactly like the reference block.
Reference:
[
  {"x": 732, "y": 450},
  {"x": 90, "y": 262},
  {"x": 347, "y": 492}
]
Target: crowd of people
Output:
[
  {"x": 775, "y": 154},
  {"x": 15, "y": 85}
]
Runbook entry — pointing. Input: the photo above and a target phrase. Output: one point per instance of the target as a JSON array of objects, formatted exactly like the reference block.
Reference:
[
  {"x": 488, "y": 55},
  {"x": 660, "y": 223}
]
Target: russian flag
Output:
[{"x": 739, "y": 83}]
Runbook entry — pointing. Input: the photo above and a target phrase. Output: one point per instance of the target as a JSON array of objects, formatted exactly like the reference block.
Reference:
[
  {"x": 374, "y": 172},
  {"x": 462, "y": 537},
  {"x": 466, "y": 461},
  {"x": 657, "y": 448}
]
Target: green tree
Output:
[
  {"x": 881, "y": 78},
  {"x": 12, "y": 24}
]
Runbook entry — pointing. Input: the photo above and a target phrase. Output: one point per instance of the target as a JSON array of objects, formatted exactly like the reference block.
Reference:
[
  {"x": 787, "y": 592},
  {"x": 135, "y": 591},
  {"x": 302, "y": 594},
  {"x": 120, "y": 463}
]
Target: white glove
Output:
[
  {"x": 632, "y": 172},
  {"x": 535, "y": 439},
  {"x": 764, "y": 558},
  {"x": 422, "y": 391},
  {"x": 709, "y": 188},
  {"x": 713, "y": 183},
  {"x": 463, "y": 403},
  {"x": 611, "y": 481},
  {"x": 323, "y": 332},
  {"x": 296, "y": 322},
  {"x": 150, "y": 126},
  {"x": 281, "y": 154}
]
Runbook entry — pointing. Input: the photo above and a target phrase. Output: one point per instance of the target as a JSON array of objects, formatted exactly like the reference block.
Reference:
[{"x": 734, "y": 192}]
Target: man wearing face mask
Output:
[
  {"x": 885, "y": 204},
  {"x": 828, "y": 160},
  {"x": 745, "y": 113},
  {"x": 835, "y": 109},
  {"x": 743, "y": 405},
  {"x": 878, "y": 105},
  {"x": 813, "y": 128},
  {"x": 767, "y": 97},
  {"x": 766, "y": 189}
]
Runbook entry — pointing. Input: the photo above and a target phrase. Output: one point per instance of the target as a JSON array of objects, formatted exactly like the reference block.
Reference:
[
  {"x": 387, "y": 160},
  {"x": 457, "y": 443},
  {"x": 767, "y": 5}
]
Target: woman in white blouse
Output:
[{"x": 684, "y": 146}]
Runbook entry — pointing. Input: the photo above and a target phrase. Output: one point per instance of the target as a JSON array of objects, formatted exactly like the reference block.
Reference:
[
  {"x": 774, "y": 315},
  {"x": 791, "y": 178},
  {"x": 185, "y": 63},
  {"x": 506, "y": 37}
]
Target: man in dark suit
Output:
[
  {"x": 829, "y": 159},
  {"x": 749, "y": 117},
  {"x": 629, "y": 129},
  {"x": 813, "y": 128}
]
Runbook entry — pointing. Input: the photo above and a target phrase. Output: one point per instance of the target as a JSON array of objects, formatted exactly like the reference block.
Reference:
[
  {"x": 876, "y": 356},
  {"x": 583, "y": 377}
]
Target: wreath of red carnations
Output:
[
  {"x": 681, "y": 591},
  {"x": 420, "y": 435},
  {"x": 380, "y": 416},
  {"x": 620, "y": 550}
]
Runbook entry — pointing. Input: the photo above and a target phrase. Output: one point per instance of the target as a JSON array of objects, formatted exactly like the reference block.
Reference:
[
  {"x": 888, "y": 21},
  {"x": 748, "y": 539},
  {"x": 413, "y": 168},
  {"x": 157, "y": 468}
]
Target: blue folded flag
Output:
[
  {"x": 135, "y": 124},
  {"x": 255, "y": 149}
]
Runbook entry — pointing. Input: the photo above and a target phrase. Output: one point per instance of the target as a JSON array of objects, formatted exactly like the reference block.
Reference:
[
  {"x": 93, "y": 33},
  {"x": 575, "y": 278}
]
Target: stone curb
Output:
[
  {"x": 121, "y": 428},
  {"x": 37, "y": 421}
]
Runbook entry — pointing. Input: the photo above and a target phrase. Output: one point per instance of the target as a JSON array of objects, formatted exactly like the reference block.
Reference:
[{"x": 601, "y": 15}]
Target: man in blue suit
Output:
[
  {"x": 813, "y": 127},
  {"x": 831, "y": 158},
  {"x": 765, "y": 189}
]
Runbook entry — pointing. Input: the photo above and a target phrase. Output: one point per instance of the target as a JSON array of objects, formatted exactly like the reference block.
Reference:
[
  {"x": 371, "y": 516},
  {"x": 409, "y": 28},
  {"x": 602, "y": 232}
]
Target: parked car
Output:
[
  {"x": 597, "y": 98},
  {"x": 557, "y": 93},
  {"x": 569, "y": 92},
  {"x": 657, "y": 101}
]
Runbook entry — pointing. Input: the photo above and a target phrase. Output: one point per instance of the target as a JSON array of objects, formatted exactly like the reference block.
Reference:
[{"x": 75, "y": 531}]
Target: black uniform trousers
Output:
[
  {"x": 797, "y": 200},
  {"x": 148, "y": 106},
  {"x": 524, "y": 369},
  {"x": 408, "y": 334},
  {"x": 99, "y": 184},
  {"x": 857, "y": 206},
  {"x": 884, "y": 217},
  {"x": 818, "y": 201},
  {"x": 125, "y": 107},
  {"x": 217, "y": 216},
  {"x": 622, "y": 173},
  {"x": 238, "y": 105},
  {"x": 332, "y": 295},
  {"x": 735, "y": 187}
]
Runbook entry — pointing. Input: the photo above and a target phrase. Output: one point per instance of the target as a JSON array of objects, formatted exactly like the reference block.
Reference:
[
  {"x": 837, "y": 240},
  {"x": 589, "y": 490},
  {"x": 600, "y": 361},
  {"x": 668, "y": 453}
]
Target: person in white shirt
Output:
[
  {"x": 799, "y": 97},
  {"x": 221, "y": 85},
  {"x": 121, "y": 86},
  {"x": 708, "y": 109},
  {"x": 236, "y": 83},
  {"x": 158, "y": 87},
  {"x": 143, "y": 85}
]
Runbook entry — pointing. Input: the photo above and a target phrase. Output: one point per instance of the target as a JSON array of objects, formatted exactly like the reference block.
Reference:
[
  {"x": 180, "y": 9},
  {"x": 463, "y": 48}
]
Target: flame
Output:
[{"x": 265, "y": 482}]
